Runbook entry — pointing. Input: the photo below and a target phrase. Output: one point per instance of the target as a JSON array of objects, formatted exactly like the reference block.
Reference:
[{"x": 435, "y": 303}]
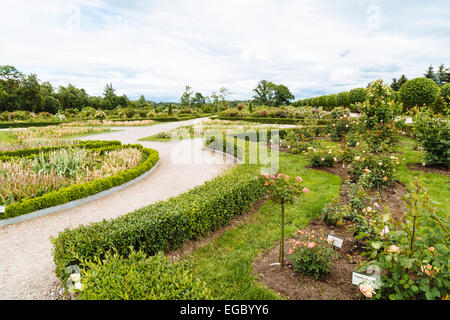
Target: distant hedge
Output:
[
  {"x": 165, "y": 225},
  {"x": 82, "y": 190},
  {"x": 418, "y": 92},
  {"x": 5, "y": 125}
]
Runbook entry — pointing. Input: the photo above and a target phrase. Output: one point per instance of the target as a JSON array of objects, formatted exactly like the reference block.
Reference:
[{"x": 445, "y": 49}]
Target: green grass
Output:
[
  {"x": 226, "y": 264},
  {"x": 5, "y": 136},
  {"x": 436, "y": 184}
]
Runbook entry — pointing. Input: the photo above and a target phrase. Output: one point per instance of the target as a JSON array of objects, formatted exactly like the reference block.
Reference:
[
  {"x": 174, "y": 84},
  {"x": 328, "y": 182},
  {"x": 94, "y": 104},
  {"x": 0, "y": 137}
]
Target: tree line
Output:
[{"x": 25, "y": 92}]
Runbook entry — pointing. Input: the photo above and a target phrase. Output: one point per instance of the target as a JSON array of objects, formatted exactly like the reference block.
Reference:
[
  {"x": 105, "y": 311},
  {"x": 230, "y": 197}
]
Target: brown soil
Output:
[
  {"x": 430, "y": 169},
  {"x": 193, "y": 245},
  {"x": 391, "y": 195},
  {"x": 337, "y": 285}
]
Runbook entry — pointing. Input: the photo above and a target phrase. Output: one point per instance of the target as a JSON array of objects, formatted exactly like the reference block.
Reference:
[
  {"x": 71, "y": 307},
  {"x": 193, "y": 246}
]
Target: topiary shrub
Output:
[
  {"x": 331, "y": 101},
  {"x": 357, "y": 95},
  {"x": 139, "y": 277},
  {"x": 418, "y": 92},
  {"x": 343, "y": 99},
  {"x": 165, "y": 225}
]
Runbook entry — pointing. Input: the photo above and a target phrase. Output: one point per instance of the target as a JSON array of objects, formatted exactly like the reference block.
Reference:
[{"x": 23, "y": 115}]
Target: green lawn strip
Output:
[
  {"x": 436, "y": 184},
  {"x": 226, "y": 263},
  {"x": 5, "y": 136}
]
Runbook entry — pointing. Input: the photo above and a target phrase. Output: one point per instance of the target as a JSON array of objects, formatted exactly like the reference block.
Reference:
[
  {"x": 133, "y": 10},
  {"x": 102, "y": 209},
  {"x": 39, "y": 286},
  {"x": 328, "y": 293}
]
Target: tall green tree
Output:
[
  {"x": 185, "y": 99},
  {"x": 430, "y": 74},
  {"x": 271, "y": 94}
]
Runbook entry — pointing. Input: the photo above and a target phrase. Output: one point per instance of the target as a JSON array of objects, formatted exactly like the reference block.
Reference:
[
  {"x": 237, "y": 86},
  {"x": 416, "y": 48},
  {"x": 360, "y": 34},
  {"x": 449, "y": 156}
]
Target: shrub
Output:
[
  {"x": 100, "y": 115},
  {"x": 323, "y": 157},
  {"x": 357, "y": 95},
  {"x": 445, "y": 92},
  {"x": 340, "y": 123},
  {"x": 374, "y": 170},
  {"x": 334, "y": 213},
  {"x": 165, "y": 225},
  {"x": 419, "y": 92},
  {"x": 433, "y": 133},
  {"x": 312, "y": 255},
  {"x": 343, "y": 99},
  {"x": 139, "y": 277},
  {"x": 331, "y": 101},
  {"x": 411, "y": 253}
]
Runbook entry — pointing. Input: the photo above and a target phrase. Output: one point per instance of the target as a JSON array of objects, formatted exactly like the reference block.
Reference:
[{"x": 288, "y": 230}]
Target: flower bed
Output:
[{"x": 57, "y": 175}]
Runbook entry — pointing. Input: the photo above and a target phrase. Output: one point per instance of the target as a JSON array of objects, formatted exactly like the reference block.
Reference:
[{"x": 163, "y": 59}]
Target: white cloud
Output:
[{"x": 157, "y": 47}]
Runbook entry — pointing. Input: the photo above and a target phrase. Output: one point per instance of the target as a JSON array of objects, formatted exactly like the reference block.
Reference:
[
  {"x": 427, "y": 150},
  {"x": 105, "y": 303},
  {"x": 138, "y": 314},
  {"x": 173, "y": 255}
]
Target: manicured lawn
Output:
[
  {"x": 436, "y": 184},
  {"x": 6, "y": 137},
  {"x": 226, "y": 263}
]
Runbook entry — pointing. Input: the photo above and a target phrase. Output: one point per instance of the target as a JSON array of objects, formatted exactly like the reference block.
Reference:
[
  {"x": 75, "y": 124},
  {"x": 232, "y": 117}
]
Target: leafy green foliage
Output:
[
  {"x": 138, "y": 277},
  {"x": 419, "y": 92},
  {"x": 312, "y": 255},
  {"x": 412, "y": 252},
  {"x": 165, "y": 225},
  {"x": 433, "y": 133}
]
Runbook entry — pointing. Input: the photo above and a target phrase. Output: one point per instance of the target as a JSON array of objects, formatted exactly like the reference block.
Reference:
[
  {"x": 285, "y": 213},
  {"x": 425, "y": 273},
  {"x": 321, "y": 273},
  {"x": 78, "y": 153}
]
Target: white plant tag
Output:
[
  {"x": 2, "y": 209},
  {"x": 335, "y": 241},
  {"x": 359, "y": 278}
]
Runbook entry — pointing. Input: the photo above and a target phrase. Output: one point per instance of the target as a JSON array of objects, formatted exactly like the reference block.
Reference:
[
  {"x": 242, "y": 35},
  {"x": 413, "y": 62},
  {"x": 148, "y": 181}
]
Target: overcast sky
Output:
[{"x": 157, "y": 47}]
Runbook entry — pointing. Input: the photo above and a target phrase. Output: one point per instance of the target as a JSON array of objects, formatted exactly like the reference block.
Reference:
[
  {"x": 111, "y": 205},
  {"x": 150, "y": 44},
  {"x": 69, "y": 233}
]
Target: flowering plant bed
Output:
[
  {"x": 336, "y": 285},
  {"x": 56, "y": 175}
]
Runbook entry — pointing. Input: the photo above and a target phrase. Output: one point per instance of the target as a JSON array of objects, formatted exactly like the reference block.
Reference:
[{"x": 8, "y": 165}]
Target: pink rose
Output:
[
  {"x": 299, "y": 179},
  {"x": 311, "y": 245},
  {"x": 266, "y": 175},
  {"x": 305, "y": 190}
]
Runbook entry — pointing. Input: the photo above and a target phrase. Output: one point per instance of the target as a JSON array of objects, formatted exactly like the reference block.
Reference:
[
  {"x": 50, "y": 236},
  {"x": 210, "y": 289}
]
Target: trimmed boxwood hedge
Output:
[
  {"x": 138, "y": 277},
  {"x": 165, "y": 225},
  {"x": 82, "y": 190},
  {"x": 418, "y": 92},
  {"x": 5, "y": 125},
  {"x": 275, "y": 120}
]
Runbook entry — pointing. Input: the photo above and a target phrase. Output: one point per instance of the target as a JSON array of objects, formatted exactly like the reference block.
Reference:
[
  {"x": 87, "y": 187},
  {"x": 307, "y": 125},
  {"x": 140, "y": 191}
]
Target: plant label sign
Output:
[
  {"x": 2, "y": 209},
  {"x": 359, "y": 278},
  {"x": 335, "y": 241}
]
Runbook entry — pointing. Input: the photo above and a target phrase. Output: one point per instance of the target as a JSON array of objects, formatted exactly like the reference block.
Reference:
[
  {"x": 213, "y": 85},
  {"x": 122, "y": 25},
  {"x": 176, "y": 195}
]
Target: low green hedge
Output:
[
  {"x": 275, "y": 120},
  {"x": 165, "y": 225},
  {"x": 83, "y": 190},
  {"x": 27, "y": 152},
  {"x": 139, "y": 277},
  {"x": 5, "y": 125}
]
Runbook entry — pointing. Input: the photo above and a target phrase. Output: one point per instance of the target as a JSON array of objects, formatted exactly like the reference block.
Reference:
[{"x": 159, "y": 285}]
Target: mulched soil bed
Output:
[
  {"x": 430, "y": 169},
  {"x": 337, "y": 285}
]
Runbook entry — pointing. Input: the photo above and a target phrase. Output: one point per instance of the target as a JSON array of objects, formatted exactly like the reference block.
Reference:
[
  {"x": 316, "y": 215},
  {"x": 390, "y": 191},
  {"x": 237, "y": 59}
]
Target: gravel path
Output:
[{"x": 26, "y": 265}]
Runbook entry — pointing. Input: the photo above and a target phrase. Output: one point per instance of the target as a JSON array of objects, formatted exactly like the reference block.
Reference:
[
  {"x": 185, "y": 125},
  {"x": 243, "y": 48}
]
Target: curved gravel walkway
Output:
[{"x": 26, "y": 265}]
